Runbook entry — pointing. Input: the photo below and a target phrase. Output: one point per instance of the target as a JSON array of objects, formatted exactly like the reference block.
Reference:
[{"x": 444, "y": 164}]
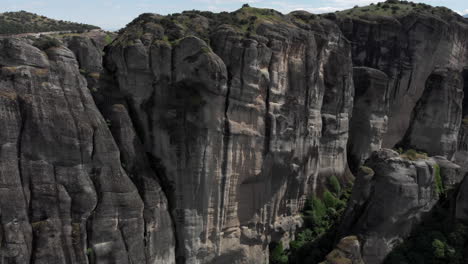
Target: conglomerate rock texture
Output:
[{"x": 197, "y": 137}]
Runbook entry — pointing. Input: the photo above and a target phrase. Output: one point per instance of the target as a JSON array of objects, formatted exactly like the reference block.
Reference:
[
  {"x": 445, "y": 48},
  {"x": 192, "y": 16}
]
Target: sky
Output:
[{"x": 114, "y": 14}]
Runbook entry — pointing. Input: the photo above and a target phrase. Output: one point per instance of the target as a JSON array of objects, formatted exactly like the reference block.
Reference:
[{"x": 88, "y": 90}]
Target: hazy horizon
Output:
[{"x": 115, "y": 14}]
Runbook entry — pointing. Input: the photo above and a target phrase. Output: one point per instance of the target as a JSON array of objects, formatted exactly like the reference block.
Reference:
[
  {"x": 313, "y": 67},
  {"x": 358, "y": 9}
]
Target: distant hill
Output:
[
  {"x": 465, "y": 16},
  {"x": 25, "y": 22}
]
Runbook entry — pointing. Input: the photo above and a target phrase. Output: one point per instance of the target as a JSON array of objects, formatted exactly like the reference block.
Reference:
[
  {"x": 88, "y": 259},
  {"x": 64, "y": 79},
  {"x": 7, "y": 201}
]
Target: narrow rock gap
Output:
[
  {"x": 267, "y": 118},
  {"x": 225, "y": 145},
  {"x": 307, "y": 91},
  {"x": 23, "y": 117},
  {"x": 465, "y": 92}
]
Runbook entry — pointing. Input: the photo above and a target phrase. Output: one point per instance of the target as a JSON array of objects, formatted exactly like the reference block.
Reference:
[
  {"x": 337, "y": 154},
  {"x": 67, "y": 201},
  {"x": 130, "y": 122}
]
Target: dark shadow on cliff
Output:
[
  {"x": 438, "y": 239},
  {"x": 465, "y": 90}
]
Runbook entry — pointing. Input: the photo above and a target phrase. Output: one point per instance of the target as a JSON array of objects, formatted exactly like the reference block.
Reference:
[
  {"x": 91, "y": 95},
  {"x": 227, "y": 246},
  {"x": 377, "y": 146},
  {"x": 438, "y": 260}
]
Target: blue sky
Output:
[{"x": 114, "y": 14}]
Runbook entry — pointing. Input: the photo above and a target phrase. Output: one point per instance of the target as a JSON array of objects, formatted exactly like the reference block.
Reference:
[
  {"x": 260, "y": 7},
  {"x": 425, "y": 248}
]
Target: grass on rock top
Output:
[{"x": 393, "y": 8}]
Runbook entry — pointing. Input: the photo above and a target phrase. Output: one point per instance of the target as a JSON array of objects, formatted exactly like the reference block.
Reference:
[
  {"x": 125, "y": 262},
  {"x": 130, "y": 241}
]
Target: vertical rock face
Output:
[
  {"x": 243, "y": 129},
  {"x": 390, "y": 196},
  {"x": 369, "y": 121},
  {"x": 210, "y": 131},
  {"x": 432, "y": 123},
  {"x": 409, "y": 49},
  {"x": 65, "y": 196}
]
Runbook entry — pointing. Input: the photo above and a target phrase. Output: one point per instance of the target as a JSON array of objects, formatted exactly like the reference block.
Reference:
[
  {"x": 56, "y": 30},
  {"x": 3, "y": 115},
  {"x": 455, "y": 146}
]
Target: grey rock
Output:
[
  {"x": 369, "y": 119},
  {"x": 432, "y": 123},
  {"x": 390, "y": 196},
  {"x": 348, "y": 251},
  {"x": 409, "y": 49},
  {"x": 66, "y": 197},
  {"x": 245, "y": 128}
]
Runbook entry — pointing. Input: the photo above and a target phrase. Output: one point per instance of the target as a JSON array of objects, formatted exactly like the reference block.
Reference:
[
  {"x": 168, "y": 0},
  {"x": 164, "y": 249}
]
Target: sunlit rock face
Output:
[
  {"x": 66, "y": 196},
  {"x": 244, "y": 127},
  {"x": 391, "y": 195},
  {"x": 197, "y": 137}
]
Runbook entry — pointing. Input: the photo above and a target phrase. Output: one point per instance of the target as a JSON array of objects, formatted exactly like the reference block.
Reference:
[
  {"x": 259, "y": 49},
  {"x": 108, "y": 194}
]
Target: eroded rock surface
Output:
[
  {"x": 390, "y": 196},
  {"x": 433, "y": 128},
  {"x": 369, "y": 119},
  {"x": 213, "y": 129},
  {"x": 245, "y": 128},
  {"x": 409, "y": 49},
  {"x": 348, "y": 251},
  {"x": 65, "y": 196}
]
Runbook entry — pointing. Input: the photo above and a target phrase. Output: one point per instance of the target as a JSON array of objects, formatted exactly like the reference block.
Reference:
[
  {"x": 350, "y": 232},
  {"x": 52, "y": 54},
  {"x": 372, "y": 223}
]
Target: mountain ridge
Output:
[{"x": 25, "y": 22}]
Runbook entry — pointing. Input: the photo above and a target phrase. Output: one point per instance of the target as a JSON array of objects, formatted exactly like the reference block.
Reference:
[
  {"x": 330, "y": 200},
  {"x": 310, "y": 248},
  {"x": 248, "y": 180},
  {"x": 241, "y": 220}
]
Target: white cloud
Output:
[{"x": 464, "y": 12}]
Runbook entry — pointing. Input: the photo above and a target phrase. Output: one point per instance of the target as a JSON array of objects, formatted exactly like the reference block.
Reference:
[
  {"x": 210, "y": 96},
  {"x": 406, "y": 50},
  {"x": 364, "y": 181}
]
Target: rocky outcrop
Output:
[
  {"x": 244, "y": 128},
  {"x": 347, "y": 251},
  {"x": 89, "y": 51},
  {"x": 369, "y": 120},
  {"x": 65, "y": 196},
  {"x": 432, "y": 123},
  {"x": 410, "y": 49},
  {"x": 390, "y": 196}
]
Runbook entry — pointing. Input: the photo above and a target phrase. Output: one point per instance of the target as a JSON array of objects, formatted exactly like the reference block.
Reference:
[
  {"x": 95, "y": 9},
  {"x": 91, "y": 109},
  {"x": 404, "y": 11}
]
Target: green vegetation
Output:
[
  {"x": 412, "y": 154},
  {"x": 39, "y": 224},
  {"x": 278, "y": 255},
  {"x": 439, "y": 239},
  {"x": 334, "y": 184},
  {"x": 108, "y": 39},
  {"x": 465, "y": 121},
  {"x": 321, "y": 218},
  {"x": 366, "y": 169},
  {"x": 46, "y": 42},
  {"x": 394, "y": 8},
  {"x": 174, "y": 27},
  {"x": 25, "y": 22},
  {"x": 440, "y": 190}
]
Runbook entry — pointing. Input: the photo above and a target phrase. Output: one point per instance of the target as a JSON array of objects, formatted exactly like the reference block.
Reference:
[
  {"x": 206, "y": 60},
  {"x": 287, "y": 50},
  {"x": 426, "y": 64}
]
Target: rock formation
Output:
[
  {"x": 66, "y": 196},
  {"x": 369, "y": 119},
  {"x": 244, "y": 128},
  {"x": 197, "y": 137},
  {"x": 409, "y": 49},
  {"x": 348, "y": 250},
  {"x": 391, "y": 195}
]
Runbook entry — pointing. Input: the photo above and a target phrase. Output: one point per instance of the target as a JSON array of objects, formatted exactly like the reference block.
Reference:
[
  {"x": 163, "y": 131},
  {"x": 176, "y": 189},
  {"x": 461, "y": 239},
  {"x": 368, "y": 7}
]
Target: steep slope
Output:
[{"x": 25, "y": 22}]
